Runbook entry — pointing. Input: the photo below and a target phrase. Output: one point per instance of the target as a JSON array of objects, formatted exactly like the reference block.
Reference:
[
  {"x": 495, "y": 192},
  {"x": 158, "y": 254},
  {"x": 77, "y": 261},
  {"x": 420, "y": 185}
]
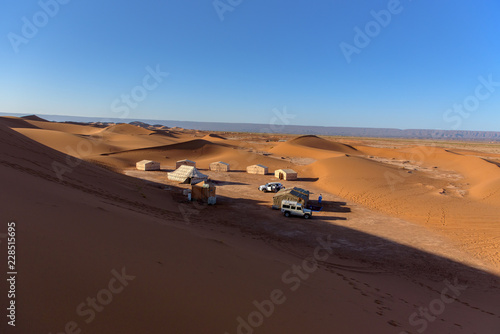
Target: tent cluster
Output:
[
  {"x": 203, "y": 189},
  {"x": 218, "y": 166}
]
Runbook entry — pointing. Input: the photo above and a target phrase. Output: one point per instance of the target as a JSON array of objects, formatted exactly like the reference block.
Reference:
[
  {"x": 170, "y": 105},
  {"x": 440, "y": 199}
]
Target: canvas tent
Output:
[
  {"x": 257, "y": 169},
  {"x": 219, "y": 166},
  {"x": 291, "y": 194},
  {"x": 187, "y": 174},
  {"x": 147, "y": 165},
  {"x": 203, "y": 191},
  {"x": 185, "y": 162},
  {"x": 285, "y": 174}
]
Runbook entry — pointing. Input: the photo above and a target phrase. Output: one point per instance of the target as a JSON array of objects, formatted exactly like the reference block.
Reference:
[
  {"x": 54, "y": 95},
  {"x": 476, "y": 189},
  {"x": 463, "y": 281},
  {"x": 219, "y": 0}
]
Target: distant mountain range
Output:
[{"x": 290, "y": 129}]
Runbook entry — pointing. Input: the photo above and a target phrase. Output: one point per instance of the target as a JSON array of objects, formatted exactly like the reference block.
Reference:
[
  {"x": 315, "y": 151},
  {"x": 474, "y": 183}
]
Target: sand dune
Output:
[
  {"x": 69, "y": 143},
  {"x": 127, "y": 129},
  {"x": 202, "y": 151},
  {"x": 213, "y": 136},
  {"x": 454, "y": 194},
  {"x": 322, "y": 144},
  {"x": 66, "y": 127},
  {"x": 313, "y": 147},
  {"x": 34, "y": 118},
  {"x": 77, "y": 222},
  {"x": 17, "y": 123},
  {"x": 482, "y": 176},
  {"x": 86, "y": 141}
]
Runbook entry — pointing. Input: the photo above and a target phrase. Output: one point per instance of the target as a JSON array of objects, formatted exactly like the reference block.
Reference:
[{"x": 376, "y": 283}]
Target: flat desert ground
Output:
[{"x": 408, "y": 240}]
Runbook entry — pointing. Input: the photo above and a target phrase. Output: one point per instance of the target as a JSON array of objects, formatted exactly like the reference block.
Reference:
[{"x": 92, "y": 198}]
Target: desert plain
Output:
[{"x": 408, "y": 240}]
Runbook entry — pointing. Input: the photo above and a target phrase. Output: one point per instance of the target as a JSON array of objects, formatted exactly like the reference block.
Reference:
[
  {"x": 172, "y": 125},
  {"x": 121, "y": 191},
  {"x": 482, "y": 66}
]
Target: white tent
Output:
[
  {"x": 219, "y": 166},
  {"x": 257, "y": 169},
  {"x": 147, "y": 165},
  {"x": 185, "y": 162},
  {"x": 187, "y": 174}
]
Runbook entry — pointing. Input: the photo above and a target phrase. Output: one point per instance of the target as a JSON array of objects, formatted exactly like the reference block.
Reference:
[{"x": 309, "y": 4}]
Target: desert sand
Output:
[{"x": 407, "y": 242}]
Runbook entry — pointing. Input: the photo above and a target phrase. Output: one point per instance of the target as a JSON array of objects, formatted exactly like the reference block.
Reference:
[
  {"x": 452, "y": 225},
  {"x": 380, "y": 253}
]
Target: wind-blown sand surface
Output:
[{"x": 410, "y": 230}]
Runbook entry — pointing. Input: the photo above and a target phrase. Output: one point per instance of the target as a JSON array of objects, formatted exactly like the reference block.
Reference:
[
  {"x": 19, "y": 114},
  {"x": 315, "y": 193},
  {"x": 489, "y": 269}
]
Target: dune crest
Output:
[
  {"x": 128, "y": 129},
  {"x": 16, "y": 123},
  {"x": 322, "y": 144},
  {"x": 313, "y": 147},
  {"x": 214, "y": 136},
  {"x": 34, "y": 118}
]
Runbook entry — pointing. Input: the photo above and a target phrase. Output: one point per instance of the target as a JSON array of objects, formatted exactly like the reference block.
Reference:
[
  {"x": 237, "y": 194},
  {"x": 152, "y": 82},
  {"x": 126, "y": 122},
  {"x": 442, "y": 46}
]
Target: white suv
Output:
[
  {"x": 271, "y": 187},
  {"x": 292, "y": 208}
]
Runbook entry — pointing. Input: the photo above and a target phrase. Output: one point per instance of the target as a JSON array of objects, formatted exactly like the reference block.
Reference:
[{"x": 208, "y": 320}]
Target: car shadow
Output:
[{"x": 334, "y": 206}]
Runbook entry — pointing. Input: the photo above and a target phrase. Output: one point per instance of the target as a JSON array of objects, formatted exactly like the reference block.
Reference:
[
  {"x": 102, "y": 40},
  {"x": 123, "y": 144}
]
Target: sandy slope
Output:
[
  {"x": 66, "y": 127},
  {"x": 85, "y": 141},
  {"x": 312, "y": 147},
  {"x": 449, "y": 192},
  {"x": 78, "y": 222}
]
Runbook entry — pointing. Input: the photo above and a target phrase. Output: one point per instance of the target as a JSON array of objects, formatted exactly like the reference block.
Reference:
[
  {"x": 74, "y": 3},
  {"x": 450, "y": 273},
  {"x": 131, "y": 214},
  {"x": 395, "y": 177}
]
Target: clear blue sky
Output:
[{"x": 264, "y": 55}]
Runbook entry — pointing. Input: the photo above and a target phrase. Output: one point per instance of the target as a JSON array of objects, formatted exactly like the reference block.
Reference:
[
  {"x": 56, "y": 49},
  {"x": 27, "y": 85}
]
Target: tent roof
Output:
[
  {"x": 220, "y": 162},
  {"x": 288, "y": 171},
  {"x": 258, "y": 165},
  {"x": 183, "y": 173},
  {"x": 295, "y": 191},
  {"x": 186, "y": 160},
  {"x": 145, "y": 161}
]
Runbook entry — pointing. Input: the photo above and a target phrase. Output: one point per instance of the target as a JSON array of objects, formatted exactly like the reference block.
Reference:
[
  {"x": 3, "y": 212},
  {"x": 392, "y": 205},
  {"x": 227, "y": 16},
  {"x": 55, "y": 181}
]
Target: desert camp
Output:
[{"x": 163, "y": 213}]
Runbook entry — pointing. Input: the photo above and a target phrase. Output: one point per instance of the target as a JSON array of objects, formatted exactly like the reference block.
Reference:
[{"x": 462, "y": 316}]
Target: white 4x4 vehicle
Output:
[
  {"x": 271, "y": 187},
  {"x": 292, "y": 208}
]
